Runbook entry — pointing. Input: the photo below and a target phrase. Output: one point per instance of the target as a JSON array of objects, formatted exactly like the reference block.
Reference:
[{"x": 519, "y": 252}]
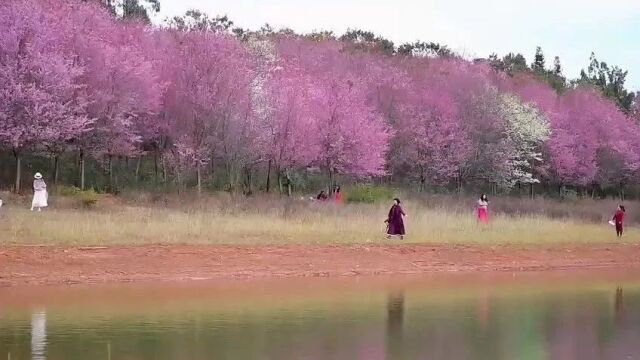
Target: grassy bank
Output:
[{"x": 226, "y": 220}]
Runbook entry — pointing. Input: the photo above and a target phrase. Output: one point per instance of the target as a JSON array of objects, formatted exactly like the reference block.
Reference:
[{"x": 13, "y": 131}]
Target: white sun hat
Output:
[{"x": 38, "y": 176}]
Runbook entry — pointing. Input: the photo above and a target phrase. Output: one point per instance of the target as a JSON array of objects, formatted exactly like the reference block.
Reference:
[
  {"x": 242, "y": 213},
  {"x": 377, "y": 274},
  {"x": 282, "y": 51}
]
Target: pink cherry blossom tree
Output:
[
  {"x": 211, "y": 109},
  {"x": 288, "y": 140},
  {"x": 76, "y": 78},
  {"x": 42, "y": 103},
  {"x": 350, "y": 132},
  {"x": 429, "y": 141}
]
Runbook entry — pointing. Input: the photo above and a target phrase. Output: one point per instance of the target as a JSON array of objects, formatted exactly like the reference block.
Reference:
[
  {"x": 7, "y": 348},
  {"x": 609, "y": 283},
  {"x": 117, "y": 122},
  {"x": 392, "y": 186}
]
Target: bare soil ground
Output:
[{"x": 45, "y": 265}]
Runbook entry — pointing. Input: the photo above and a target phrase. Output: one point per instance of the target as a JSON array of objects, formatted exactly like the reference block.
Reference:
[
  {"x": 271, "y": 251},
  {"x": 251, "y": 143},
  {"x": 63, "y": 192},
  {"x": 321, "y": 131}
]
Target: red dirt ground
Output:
[{"x": 24, "y": 265}]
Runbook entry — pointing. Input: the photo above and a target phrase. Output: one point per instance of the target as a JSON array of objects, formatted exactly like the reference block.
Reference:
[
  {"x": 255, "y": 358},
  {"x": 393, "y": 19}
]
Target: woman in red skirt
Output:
[
  {"x": 618, "y": 220},
  {"x": 483, "y": 209},
  {"x": 337, "y": 196}
]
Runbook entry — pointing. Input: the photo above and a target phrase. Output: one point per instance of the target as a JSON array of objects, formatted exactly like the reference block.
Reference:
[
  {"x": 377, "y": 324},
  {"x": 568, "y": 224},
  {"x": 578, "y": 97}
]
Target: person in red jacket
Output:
[
  {"x": 337, "y": 195},
  {"x": 618, "y": 219}
]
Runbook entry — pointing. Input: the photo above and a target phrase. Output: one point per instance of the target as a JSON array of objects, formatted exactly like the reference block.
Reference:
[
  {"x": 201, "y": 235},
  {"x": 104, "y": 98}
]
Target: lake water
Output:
[{"x": 510, "y": 316}]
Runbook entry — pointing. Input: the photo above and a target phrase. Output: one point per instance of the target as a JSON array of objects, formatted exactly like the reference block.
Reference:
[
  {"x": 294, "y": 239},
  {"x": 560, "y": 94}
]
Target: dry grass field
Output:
[{"x": 222, "y": 219}]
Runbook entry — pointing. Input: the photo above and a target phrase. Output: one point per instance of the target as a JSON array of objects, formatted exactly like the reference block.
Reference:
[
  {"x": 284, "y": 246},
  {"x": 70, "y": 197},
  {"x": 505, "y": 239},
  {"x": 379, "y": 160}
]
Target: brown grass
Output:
[{"x": 223, "y": 219}]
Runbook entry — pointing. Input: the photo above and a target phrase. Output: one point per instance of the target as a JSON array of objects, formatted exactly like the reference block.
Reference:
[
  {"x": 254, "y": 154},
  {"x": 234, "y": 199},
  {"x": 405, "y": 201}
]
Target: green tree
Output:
[
  {"x": 609, "y": 80},
  {"x": 368, "y": 41},
  {"x": 321, "y": 35},
  {"x": 554, "y": 76},
  {"x": 424, "y": 49},
  {"x": 133, "y": 9},
  {"x": 538, "y": 64},
  {"x": 557, "y": 67},
  {"x": 199, "y": 21},
  {"x": 510, "y": 63}
]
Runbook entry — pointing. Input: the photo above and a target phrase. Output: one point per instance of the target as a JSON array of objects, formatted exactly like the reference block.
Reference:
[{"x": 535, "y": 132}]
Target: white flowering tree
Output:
[{"x": 526, "y": 130}]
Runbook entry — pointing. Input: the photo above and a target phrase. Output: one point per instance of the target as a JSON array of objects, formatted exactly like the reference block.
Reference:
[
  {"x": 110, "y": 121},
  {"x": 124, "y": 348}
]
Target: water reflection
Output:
[
  {"x": 600, "y": 322},
  {"x": 625, "y": 343},
  {"x": 482, "y": 310},
  {"x": 39, "y": 335},
  {"x": 619, "y": 304},
  {"x": 395, "y": 319}
]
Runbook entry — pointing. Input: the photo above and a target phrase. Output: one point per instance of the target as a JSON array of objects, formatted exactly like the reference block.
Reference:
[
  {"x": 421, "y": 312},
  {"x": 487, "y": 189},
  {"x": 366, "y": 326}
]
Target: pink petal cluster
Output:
[{"x": 74, "y": 78}]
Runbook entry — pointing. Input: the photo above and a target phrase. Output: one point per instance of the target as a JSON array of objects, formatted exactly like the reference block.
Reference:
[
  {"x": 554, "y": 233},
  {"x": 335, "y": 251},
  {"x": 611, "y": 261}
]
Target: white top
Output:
[
  {"x": 483, "y": 204},
  {"x": 39, "y": 185}
]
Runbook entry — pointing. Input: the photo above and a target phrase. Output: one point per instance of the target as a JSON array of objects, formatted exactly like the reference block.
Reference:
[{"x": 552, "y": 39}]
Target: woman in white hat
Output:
[{"x": 40, "y": 195}]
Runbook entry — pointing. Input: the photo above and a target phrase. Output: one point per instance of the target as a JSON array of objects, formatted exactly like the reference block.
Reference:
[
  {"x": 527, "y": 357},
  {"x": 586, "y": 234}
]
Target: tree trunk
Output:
[
  {"x": 279, "y": 180},
  {"x": 248, "y": 181},
  {"x": 179, "y": 180},
  {"x": 531, "y": 192},
  {"x": 331, "y": 176},
  {"x": 269, "y": 177},
  {"x": 155, "y": 163},
  {"x": 138, "y": 168},
  {"x": 199, "y": 175},
  {"x": 81, "y": 170},
  {"x": 164, "y": 170},
  {"x": 116, "y": 185},
  {"x": 110, "y": 166},
  {"x": 56, "y": 169},
  {"x": 230, "y": 176},
  {"x": 18, "y": 172},
  {"x": 289, "y": 189}
]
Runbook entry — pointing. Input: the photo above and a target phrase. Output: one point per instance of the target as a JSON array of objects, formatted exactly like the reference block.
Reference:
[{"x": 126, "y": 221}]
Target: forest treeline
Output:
[{"x": 96, "y": 96}]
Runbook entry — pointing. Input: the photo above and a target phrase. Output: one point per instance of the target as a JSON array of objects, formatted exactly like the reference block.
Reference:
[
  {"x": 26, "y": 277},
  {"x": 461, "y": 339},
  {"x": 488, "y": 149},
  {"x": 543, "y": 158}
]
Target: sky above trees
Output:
[{"x": 571, "y": 29}]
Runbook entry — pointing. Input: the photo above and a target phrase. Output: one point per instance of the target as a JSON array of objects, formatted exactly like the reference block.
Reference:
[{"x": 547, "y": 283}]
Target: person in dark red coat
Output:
[
  {"x": 618, "y": 219},
  {"x": 395, "y": 221}
]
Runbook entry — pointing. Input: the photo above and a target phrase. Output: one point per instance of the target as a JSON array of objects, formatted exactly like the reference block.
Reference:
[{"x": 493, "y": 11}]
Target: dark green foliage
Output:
[
  {"x": 368, "y": 41},
  {"x": 513, "y": 64},
  {"x": 87, "y": 198},
  {"x": 321, "y": 35},
  {"x": 557, "y": 67},
  {"x": 369, "y": 194},
  {"x": 66, "y": 190},
  {"x": 424, "y": 49},
  {"x": 196, "y": 20},
  {"x": 538, "y": 61},
  {"x": 510, "y": 63},
  {"x": 133, "y": 9},
  {"x": 609, "y": 80}
]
